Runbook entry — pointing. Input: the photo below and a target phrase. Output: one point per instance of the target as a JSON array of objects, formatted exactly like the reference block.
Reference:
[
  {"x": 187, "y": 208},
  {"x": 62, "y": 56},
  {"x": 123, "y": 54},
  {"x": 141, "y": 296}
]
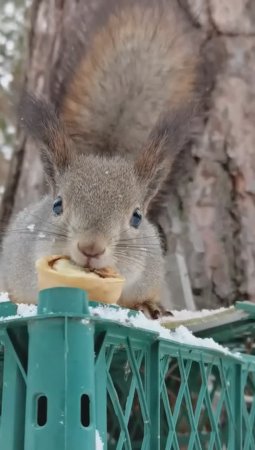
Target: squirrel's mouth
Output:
[{"x": 90, "y": 262}]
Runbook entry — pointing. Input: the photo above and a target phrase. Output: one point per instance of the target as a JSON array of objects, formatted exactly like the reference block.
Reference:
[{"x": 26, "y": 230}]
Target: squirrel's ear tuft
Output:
[
  {"x": 39, "y": 120},
  {"x": 156, "y": 159},
  {"x": 153, "y": 167}
]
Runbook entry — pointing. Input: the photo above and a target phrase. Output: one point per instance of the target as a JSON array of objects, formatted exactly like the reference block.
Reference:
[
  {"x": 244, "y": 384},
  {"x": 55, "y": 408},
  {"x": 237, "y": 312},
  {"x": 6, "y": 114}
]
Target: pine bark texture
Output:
[{"x": 210, "y": 221}]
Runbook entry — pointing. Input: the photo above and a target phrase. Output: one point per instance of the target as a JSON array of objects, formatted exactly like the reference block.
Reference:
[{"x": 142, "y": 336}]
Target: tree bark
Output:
[{"x": 211, "y": 215}]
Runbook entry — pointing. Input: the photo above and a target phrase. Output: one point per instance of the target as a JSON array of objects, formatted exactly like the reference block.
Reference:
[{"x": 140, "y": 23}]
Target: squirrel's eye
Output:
[
  {"x": 58, "y": 206},
  {"x": 136, "y": 218}
]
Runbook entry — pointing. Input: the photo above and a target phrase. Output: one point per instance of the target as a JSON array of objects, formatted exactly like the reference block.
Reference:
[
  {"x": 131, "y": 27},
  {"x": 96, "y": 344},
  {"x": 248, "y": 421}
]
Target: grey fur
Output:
[{"x": 92, "y": 207}]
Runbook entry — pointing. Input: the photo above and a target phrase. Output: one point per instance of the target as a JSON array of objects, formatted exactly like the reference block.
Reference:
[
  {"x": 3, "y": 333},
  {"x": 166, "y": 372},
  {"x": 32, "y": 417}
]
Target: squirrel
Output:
[{"x": 107, "y": 150}]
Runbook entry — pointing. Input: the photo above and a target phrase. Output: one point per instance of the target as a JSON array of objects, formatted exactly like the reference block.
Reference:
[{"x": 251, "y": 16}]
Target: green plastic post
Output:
[
  {"x": 154, "y": 396},
  {"x": 238, "y": 399},
  {"x": 60, "y": 380},
  {"x": 7, "y": 309},
  {"x": 63, "y": 300},
  {"x": 12, "y": 412}
]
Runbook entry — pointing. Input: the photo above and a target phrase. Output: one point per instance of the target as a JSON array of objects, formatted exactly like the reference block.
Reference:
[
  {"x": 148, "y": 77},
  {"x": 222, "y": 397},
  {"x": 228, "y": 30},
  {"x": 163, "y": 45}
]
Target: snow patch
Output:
[
  {"x": 31, "y": 227},
  {"x": 181, "y": 335},
  {"x": 6, "y": 149},
  {"x": 4, "y": 297},
  {"x": 10, "y": 129},
  {"x": 24, "y": 310},
  {"x": 99, "y": 442},
  {"x": 9, "y": 9},
  {"x": 188, "y": 315}
]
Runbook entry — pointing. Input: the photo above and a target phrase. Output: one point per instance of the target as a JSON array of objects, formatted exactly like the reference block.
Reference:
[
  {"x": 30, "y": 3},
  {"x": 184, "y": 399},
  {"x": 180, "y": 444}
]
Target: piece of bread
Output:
[{"x": 103, "y": 285}]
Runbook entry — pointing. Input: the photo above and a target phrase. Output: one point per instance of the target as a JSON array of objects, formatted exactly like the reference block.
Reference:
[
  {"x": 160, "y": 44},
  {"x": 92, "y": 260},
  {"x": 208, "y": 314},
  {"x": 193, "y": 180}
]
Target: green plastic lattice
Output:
[{"x": 65, "y": 374}]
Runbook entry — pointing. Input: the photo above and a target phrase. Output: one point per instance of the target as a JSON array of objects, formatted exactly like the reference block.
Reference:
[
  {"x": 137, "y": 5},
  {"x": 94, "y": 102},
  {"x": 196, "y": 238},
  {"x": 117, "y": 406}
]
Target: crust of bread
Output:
[{"x": 103, "y": 285}]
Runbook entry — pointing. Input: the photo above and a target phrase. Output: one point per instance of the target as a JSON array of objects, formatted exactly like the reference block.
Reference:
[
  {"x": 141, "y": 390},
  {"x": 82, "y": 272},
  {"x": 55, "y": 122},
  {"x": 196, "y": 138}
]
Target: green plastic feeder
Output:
[{"x": 67, "y": 375}]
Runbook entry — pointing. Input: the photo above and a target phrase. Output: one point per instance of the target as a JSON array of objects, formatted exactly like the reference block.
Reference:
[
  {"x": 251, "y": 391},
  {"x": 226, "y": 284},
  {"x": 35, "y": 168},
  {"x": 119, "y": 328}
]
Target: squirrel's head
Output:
[{"x": 99, "y": 204}]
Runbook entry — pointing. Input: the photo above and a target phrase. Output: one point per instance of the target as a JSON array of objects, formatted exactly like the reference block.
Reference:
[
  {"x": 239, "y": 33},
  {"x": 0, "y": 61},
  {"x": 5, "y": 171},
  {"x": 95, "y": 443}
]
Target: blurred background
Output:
[
  {"x": 210, "y": 219},
  {"x": 13, "y": 30}
]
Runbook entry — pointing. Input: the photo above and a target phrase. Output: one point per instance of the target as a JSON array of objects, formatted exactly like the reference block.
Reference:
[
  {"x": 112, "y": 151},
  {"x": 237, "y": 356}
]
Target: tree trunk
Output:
[{"x": 211, "y": 215}]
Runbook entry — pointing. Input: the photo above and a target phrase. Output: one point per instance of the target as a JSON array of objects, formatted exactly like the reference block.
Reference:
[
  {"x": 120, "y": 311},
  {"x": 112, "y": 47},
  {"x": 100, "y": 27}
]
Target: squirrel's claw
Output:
[{"x": 152, "y": 310}]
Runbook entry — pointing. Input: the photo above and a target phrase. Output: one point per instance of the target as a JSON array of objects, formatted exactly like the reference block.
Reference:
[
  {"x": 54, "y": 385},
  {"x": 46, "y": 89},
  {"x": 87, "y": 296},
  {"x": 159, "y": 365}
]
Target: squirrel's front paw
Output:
[{"x": 152, "y": 310}]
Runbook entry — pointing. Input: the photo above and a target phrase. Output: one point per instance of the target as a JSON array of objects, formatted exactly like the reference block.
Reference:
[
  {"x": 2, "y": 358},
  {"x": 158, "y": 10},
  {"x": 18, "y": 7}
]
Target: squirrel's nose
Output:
[{"x": 93, "y": 250}]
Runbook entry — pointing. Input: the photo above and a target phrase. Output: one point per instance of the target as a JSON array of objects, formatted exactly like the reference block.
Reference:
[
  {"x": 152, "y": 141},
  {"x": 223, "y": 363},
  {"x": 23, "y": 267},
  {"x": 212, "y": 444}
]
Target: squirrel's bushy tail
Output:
[{"x": 142, "y": 64}]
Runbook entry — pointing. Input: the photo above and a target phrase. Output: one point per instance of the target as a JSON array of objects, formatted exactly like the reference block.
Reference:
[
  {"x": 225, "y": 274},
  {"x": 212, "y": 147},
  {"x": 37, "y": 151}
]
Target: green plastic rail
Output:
[{"x": 67, "y": 376}]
